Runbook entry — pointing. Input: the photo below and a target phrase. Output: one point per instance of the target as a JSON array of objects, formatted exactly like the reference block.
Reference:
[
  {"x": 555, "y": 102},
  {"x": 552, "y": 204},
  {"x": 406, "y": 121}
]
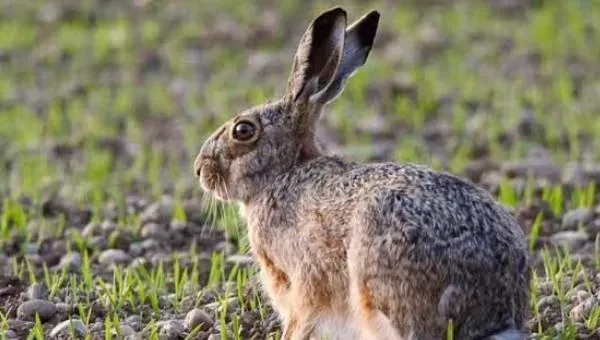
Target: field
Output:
[{"x": 104, "y": 105}]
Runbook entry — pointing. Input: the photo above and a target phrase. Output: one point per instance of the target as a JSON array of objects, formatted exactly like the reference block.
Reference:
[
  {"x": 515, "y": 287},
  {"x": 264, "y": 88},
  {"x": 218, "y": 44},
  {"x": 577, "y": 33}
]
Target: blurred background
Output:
[{"x": 104, "y": 105}]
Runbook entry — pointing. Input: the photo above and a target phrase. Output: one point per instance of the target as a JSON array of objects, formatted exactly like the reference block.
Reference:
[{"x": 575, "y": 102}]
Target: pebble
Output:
[
  {"x": 32, "y": 248},
  {"x": 150, "y": 244},
  {"x": 127, "y": 330},
  {"x": 170, "y": 329},
  {"x": 573, "y": 218},
  {"x": 155, "y": 231},
  {"x": 111, "y": 256},
  {"x": 91, "y": 229},
  {"x": 197, "y": 317},
  {"x": 570, "y": 239},
  {"x": 240, "y": 260},
  {"x": 36, "y": 291},
  {"x": 10, "y": 334},
  {"x": 178, "y": 226},
  {"x": 135, "y": 249},
  {"x": 134, "y": 321},
  {"x": 28, "y": 309},
  {"x": 580, "y": 312},
  {"x": 71, "y": 261},
  {"x": 69, "y": 327},
  {"x": 158, "y": 212}
]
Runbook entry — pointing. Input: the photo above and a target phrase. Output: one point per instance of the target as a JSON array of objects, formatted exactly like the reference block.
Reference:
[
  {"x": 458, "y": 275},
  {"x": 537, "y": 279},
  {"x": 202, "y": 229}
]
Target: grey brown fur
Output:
[{"x": 363, "y": 251}]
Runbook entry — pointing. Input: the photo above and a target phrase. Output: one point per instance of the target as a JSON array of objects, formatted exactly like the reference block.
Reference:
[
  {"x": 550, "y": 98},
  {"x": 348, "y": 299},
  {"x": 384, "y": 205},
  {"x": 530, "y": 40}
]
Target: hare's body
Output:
[
  {"x": 351, "y": 251},
  {"x": 357, "y": 235}
]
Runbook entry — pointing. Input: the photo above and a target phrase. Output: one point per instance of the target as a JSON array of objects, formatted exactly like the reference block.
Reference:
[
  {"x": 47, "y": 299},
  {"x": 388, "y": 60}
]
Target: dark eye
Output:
[{"x": 244, "y": 131}]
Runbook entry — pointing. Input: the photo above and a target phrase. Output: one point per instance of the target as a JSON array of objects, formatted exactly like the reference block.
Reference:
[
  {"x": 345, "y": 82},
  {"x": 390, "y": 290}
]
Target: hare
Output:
[{"x": 362, "y": 251}]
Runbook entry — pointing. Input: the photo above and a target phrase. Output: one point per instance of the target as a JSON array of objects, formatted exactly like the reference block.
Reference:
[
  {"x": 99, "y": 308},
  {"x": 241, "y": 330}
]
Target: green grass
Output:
[{"x": 69, "y": 83}]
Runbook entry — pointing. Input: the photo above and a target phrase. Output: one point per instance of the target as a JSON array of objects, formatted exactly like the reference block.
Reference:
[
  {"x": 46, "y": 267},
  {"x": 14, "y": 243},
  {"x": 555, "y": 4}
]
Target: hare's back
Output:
[{"x": 444, "y": 217}]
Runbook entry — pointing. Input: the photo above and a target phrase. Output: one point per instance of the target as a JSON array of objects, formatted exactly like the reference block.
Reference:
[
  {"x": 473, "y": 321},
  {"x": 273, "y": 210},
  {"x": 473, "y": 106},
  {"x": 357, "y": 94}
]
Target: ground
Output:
[{"x": 104, "y": 105}]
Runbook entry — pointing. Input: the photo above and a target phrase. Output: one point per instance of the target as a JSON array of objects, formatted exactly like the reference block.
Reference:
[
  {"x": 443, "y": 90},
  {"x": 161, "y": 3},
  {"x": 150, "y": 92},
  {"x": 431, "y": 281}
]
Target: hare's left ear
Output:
[
  {"x": 318, "y": 56},
  {"x": 329, "y": 53}
]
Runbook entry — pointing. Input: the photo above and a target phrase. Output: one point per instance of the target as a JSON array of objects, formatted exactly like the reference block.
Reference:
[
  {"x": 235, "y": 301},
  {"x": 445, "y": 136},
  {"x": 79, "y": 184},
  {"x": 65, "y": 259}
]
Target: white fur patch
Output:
[{"x": 336, "y": 327}]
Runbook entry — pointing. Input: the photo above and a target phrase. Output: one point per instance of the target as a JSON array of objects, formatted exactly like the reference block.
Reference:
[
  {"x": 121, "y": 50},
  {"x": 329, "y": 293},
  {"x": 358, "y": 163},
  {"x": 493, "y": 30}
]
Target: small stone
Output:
[
  {"x": 570, "y": 239},
  {"x": 62, "y": 307},
  {"x": 135, "y": 249},
  {"x": 158, "y": 212},
  {"x": 10, "y": 334},
  {"x": 32, "y": 248},
  {"x": 170, "y": 329},
  {"x": 114, "y": 256},
  {"x": 178, "y": 226},
  {"x": 134, "y": 321},
  {"x": 240, "y": 260},
  {"x": 91, "y": 229},
  {"x": 120, "y": 239},
  {"x": 197, "y": 317},
  {"x": 71, "y": 261},
  {"x": 108, "y": 226},
  {"x": 580, "y": 312},
  {"x": 127, "y": 330},
  {"x": 549, "y": 301},
  {"x": 28, "y": 309},
  {"x": 150, "y": 244},
  {"x": 69, "y": 327},
  {"x": 593, "y": 229},
  {"x": 36, "y": 291},
  {"x": 154, "y": 231},
  {"x": 572, "y": 219}
]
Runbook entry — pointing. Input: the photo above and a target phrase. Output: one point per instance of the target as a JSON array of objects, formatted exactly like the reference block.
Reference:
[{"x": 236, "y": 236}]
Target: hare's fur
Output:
[{"x": 363, "y": 251}]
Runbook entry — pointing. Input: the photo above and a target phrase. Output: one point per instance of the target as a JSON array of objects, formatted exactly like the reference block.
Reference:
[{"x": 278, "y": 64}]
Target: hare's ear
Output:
[
  {"x": 318, "y": 56},
  {"x": 357, "y": 45}
]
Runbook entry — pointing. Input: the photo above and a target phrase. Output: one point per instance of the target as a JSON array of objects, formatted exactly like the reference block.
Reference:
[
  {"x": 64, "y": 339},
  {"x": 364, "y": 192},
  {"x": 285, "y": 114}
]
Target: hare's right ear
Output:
[{"x": 318, "y": 56}]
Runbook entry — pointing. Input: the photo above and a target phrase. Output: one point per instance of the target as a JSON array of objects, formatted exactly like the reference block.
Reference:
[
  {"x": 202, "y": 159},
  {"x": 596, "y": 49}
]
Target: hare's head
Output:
[{"x": 256, "y": 145}]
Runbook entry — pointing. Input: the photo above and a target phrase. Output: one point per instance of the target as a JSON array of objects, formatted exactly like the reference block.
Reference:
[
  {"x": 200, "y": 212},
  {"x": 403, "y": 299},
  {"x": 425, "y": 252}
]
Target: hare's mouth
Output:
[{"x": 212, "y": 181}]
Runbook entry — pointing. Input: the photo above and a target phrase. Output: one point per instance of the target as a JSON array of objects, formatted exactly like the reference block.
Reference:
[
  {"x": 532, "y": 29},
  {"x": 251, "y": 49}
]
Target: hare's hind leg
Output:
[
  {"x": 374, "y": 324},
  {"x": 393, "y": 292}
]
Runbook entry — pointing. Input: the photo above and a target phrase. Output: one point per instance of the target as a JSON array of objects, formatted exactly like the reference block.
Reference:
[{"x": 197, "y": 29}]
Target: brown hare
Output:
[{"x": 362, "y": 251}]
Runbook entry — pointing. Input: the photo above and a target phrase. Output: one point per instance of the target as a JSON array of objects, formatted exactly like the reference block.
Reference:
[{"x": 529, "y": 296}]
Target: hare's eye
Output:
[{"x": 244, "y": 131}]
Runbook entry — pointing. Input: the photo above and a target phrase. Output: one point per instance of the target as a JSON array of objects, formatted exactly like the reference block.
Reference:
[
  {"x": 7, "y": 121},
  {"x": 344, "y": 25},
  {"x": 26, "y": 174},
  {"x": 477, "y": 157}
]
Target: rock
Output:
[
  {"x": 538, "y": 168},
  {"x": 69, "y": 327},
  {"x": 170, "y": 330},
  {"x": 178, "y": 226},
  {"x": 62, "y": 307},
  {"x": 593, "y": 229},
  {"x": 120, "y": 239},
  {"x": 194, "y": 211},
  {"x": 108, "y": 226},
  {"x": 240, "y": 260},
  {"x": 580, "y": 312},
  {"x": 32, "y": 248},
  {"x": 573, "y": 218},
  {"x": 10, "y": 334},
  {"x": 114, "y": 256},
  {"x": 197, "y": 317},
  {"x": 28, "y": 309},
  {"x": 91, "y": 229},
  {"x": 158, "y": 212},
  {"x": 570, "y": 239},
  {"x": 135, "y": 249},
  {"x": 36, "y": 291},
  {"x": 134, "y": 321},
  {"x": 154, "y": 231},
  {"x": 150, "y": 244},
  {"x": 71, "y": 261},
  {"x": 127, "y": 330}
]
